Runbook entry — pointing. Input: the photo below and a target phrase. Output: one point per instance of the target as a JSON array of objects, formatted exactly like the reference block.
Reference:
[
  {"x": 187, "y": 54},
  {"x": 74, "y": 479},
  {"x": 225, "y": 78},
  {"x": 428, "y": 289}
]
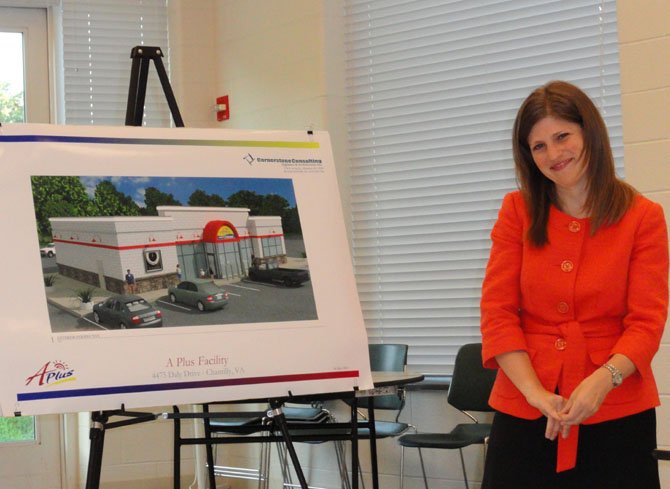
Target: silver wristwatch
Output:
[{"x": 617, "y": 376}]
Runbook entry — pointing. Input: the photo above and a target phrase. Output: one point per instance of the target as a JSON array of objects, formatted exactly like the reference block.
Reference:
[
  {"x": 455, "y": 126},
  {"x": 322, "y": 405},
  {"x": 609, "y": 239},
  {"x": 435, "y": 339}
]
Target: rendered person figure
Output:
[
  {"x": 178, "y": 271},
  {"x": 574, "y": 303},
  {"x": 130, "y": 282}
]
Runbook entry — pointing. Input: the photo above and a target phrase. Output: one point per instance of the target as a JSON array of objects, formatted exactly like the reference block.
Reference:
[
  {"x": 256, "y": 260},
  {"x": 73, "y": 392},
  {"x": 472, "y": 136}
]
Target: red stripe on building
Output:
[{"x": 159, "y": 245}]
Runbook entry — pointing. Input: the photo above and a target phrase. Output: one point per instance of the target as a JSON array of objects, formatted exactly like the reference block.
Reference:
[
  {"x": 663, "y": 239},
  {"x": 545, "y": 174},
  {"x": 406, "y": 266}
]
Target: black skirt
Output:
[{"x": 615, "y": 454}]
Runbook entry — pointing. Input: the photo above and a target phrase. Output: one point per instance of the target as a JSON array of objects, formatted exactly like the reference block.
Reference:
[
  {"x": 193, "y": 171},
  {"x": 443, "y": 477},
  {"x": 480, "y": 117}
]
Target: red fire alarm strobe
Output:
[{"x": 222, "y": 109}]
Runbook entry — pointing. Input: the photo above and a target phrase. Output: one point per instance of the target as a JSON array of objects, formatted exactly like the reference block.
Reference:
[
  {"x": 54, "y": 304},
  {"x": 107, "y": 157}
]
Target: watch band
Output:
[{"x": 617, "y": 375}]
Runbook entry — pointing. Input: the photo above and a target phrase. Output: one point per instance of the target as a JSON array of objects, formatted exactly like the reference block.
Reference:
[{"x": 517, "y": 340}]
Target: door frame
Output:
[{"x": 64, "y": 426}]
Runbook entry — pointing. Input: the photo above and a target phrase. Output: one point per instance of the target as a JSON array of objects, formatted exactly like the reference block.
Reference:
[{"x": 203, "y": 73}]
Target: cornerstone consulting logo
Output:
[
  {"x": 289, "y": 163},
  {"x": 52, "y": 373}
]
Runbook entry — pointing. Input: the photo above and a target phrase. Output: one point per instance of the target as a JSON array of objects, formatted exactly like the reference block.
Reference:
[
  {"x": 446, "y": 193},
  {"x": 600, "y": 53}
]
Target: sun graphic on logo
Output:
[{"x": 60, "y": 365}]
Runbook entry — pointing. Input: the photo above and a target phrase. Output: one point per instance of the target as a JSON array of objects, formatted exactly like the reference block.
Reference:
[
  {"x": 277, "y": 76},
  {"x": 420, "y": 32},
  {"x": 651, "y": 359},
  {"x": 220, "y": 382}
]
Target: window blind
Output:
[
  {"x": 97, "y": 38},
  {"x": 433, "y": 89}
]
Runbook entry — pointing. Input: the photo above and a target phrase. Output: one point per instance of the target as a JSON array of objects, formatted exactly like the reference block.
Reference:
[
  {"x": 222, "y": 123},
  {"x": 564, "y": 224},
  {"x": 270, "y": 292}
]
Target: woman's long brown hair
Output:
[{"x": 608, "y": 197}]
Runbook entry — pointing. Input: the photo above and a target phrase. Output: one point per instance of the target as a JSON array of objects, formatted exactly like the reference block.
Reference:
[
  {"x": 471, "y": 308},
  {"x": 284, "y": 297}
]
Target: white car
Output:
[{"x": 49, "y": 250}]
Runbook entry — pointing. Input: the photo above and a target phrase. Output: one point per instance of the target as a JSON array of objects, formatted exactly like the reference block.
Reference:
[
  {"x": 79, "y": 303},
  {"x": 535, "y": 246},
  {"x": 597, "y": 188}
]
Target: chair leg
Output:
[
  {"x": 360, "y": 473},
  {"x": 342, "y": 464},
  {"x": 465, "y": 476},
  {"x": 264, "y": 466},
  {"x": 402, "y": 467},
  {"x": 283, "y": 462},
  {"x": 341, "y": 459},
  {"x": 402, "y": 458},
  {"x": 423, "y": 469}
]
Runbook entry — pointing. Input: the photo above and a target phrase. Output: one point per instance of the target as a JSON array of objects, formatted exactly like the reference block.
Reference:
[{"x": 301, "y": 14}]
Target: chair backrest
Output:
[
  {"x": 471, "y": 383},
  {"x": 387, "y": 357}
]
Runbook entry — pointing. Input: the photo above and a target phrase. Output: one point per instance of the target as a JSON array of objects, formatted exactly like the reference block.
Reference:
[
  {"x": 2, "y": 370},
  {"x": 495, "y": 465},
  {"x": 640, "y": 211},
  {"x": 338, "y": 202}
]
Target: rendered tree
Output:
[
  {"x": 108, "y": 201},
  {"x": 200, "y": 198},
  {"x": 291, "y": 221},
  {"x": 154, "y": 197},
  {"x": 248, "y": 199},
  {"x": 58, "y": 197},
  {"x": 273, "y": 205}
]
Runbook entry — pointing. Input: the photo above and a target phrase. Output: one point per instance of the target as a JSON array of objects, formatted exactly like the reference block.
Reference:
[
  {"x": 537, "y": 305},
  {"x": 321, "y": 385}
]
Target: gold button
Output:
[
  {"x": 563, "y": 307},
  {"x": 560, "y": 344},
  {"x": 567, "y": 266},
  {"x": 574, "y": 227}
]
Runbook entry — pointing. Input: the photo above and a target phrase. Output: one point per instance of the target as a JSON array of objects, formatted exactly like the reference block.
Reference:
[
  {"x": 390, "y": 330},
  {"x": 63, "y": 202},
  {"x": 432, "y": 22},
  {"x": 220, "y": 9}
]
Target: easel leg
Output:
[
  {"x": 354, "y": 443},
  {"x": 97, "y": 437},
  {"x": 373, "y": 443},
  {"x": 209, "y": 449},
  {"x": 142, "y": 56},
  {"x": 280, "y": 420},
  {"x": 176, "y": 468}
]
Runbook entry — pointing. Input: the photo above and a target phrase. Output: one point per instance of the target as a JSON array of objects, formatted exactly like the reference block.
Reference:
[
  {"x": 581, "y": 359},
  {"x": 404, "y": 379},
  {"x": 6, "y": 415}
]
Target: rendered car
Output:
[
  {"x": 49, "y": 250},
  {"x": 127, "y": 311},
  {"x": 201, "y": 293},
  {"x": 290, "y": 277}
]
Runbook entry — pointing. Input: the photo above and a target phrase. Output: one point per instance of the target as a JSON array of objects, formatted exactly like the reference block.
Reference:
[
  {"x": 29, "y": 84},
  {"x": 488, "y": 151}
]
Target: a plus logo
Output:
[
  {"x": 249, "y": 159},
  {"x": 52, "y": 373}
]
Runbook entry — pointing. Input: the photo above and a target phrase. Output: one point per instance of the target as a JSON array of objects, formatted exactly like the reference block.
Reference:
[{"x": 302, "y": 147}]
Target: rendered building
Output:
[{"x": 215, "y": 242}]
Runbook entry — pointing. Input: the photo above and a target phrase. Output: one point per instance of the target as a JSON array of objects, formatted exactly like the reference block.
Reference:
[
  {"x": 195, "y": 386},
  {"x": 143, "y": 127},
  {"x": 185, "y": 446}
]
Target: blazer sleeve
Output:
[
  {"x": 501, "y": 291},
  {"x": 647, "y": 300}
]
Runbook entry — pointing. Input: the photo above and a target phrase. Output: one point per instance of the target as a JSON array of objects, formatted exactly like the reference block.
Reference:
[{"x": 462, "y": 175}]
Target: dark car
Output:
[
  {"x": 290, "y": 277},
  {"x": 203, "y": 294},
  {"x": 127, "y": 311}
]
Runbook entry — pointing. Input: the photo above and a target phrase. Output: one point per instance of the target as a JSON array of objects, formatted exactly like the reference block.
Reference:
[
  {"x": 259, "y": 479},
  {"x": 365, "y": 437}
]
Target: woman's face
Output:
[{"x": 557, "y": 148}]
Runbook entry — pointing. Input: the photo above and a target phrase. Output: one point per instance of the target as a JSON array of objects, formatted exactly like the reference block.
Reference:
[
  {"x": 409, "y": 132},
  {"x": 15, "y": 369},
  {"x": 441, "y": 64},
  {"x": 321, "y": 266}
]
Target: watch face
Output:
[
  {"x": 617, "y": 376},
  {"x": 617, "y": 379}
]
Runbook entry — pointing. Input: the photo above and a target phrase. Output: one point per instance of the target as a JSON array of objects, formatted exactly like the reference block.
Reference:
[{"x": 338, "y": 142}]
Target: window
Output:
[
  {"x": 12, "y": 101},
  {"x": 12, "y": 109},
  {"x": 271, "y": 246},
  {"x": 97, "y": 38},
  {"x": 433, "y": 89}
]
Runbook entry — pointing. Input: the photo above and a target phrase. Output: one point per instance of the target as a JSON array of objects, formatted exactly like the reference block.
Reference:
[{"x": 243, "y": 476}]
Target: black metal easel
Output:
[
  {"x": 99, "y": 424},
  {"x": 142, "y": 56}
]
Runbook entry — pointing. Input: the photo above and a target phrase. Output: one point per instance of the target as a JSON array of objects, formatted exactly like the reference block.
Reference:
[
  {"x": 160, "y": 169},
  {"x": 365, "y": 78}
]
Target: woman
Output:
[{"x": 573, "y": 307}]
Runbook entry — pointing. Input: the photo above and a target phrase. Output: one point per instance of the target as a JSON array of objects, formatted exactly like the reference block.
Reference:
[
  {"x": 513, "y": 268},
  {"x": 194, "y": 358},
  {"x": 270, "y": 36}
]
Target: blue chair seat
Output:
[
  {"x": 384, "y": 429},
  {"x": 461, "y": 436}
]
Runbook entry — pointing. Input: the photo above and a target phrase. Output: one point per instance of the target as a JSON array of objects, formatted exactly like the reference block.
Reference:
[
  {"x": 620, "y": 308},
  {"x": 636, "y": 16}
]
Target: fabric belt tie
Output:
[
  {"x": 574, "y": 359},
  {"x": 572, "y": 374}
]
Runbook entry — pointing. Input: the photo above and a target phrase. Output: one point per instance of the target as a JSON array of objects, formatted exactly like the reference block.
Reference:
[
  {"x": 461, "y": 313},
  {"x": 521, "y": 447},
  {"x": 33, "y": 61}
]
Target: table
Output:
[{"x": 385, "y": 383}]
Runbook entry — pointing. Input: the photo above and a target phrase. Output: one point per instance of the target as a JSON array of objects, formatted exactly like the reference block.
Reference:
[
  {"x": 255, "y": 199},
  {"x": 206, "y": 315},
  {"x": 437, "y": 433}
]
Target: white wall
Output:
[
  {"x": 193, "y": 69},
  {"x": 644, "y": 45},
  {"x": 282, "y": 64}
]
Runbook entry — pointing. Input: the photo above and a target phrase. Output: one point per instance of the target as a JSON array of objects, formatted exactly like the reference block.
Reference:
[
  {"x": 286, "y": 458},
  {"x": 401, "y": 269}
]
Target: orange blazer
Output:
[{"x": 575, "y": 302}]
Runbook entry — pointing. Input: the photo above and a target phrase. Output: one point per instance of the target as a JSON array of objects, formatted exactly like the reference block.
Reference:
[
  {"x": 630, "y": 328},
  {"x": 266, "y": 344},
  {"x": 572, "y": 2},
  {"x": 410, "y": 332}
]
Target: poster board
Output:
[{"x": 90, "y": 205}]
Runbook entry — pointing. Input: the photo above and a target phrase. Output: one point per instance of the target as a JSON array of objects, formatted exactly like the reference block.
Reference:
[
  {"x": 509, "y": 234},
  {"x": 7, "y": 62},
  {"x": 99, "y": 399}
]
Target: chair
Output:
[
  {"x": 469, "y": 390},
  {"x": 388, "y": 357},
  {"x": 234, "y": 423},
  {"x": 309, "y": 422},
  {"x": 253, "y": 422}
]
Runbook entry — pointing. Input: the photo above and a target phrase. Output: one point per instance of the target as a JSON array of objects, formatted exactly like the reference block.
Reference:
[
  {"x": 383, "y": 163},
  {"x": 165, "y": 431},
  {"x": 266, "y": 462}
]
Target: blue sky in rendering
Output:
[{"x": 182, "y": 187}]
